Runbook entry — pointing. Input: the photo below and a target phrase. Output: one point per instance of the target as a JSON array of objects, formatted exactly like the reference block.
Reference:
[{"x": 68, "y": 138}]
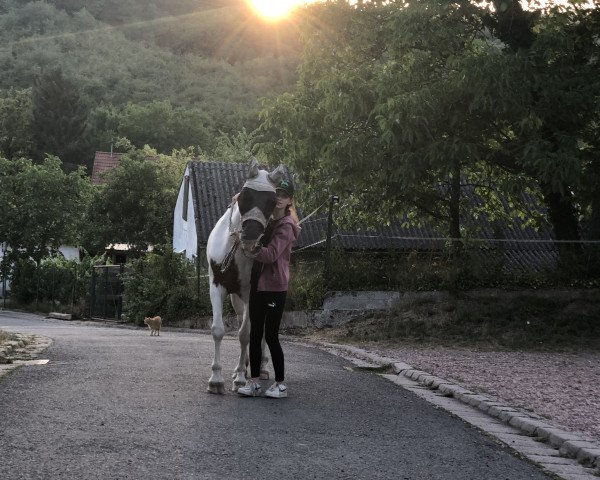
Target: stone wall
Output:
[{"x": 342, "y": 307}]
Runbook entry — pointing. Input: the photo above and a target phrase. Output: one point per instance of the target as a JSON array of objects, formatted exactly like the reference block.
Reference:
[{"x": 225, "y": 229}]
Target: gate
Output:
[{"x": 106, "y": 292}]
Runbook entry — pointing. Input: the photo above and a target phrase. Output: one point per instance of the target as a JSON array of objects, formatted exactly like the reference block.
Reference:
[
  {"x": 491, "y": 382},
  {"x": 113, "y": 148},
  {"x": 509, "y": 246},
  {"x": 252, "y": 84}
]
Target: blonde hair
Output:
[{"x": 293, "y": 213}]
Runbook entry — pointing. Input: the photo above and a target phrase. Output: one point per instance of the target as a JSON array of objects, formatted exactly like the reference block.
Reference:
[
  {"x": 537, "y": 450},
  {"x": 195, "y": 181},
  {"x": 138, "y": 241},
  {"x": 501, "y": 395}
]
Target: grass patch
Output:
[{"x": 524, "y": 322}]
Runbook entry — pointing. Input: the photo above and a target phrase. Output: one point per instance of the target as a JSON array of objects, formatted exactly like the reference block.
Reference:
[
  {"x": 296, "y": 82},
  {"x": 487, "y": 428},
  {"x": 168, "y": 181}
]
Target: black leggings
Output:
[{"x": 266, "y": 310}]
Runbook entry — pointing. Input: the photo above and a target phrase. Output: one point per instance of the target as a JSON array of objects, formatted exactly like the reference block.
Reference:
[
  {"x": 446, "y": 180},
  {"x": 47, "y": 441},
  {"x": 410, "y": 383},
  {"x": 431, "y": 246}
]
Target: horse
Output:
[{"x": 229, "y": 253}]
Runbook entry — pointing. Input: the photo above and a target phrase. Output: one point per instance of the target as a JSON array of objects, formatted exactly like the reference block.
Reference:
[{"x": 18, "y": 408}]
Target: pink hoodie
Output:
[{"x": 276, "y": 256}]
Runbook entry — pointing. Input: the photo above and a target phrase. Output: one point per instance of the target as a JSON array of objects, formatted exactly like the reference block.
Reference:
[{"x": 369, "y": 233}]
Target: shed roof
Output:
[{"x": 214, "y": 183}]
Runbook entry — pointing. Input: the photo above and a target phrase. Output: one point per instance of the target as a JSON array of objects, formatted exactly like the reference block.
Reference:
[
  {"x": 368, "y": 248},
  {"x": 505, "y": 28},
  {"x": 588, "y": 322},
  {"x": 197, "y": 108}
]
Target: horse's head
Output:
[{"x": 256, "y": 203}]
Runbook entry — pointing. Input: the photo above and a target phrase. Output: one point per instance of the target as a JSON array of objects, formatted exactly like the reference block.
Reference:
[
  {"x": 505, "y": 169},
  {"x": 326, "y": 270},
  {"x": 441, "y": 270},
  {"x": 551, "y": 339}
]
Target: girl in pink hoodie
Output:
[{"x": 269, "y": 285}]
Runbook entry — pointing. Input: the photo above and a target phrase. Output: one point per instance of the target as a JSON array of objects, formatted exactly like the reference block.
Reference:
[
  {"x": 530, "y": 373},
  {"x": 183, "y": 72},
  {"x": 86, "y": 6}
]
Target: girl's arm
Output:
[{"x": 278, "y": 244}]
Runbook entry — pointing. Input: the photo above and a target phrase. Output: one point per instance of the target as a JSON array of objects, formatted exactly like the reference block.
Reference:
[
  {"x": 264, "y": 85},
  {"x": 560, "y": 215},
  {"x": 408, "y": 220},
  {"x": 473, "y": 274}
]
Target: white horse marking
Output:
[{"x": 258, "y": 195}]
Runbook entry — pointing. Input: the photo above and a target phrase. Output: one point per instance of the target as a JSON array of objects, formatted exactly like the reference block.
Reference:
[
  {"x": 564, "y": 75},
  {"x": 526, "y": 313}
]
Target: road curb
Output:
[
  {"x": 24, "y": 346},
  {"x": 569, "y": 444},
  {"x": 7, "y": 349}
]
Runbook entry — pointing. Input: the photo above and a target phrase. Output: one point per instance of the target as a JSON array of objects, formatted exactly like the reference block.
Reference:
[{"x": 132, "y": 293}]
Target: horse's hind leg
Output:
[
  {"x": 241, "y": 309},
  {"x": 217, "y": 295}
]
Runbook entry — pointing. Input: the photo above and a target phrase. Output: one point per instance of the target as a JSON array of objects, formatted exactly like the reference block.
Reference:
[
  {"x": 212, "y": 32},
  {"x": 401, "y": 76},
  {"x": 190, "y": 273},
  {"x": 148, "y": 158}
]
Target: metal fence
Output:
[
  {"x": 479, "y": 263},
  {"x": 106, "y": 292}
]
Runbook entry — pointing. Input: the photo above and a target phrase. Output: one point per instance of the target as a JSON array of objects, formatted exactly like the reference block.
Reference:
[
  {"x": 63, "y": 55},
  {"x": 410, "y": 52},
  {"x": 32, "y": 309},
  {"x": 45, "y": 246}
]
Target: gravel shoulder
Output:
[{"x": 562, "y": 387}]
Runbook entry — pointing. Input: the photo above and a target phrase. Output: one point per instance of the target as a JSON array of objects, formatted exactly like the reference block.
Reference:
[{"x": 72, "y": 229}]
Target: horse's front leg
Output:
[
  {"x": 241, "y": 309},
  {"x": 217, "y": 295}
]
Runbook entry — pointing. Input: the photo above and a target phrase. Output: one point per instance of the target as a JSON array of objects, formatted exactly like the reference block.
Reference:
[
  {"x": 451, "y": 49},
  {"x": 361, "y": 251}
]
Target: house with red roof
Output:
[{"x": 103, "y": 162}]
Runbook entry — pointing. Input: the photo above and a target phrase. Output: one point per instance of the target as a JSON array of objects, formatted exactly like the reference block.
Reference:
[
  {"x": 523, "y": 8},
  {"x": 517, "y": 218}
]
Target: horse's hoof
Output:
[
  {"x": 217, "y": 388},
  {"x": 264, "y": 375},
  {"x": 238, "y": 381}
]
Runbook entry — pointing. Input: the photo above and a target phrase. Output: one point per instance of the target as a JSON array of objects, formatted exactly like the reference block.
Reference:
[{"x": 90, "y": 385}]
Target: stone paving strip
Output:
[
  {"x": 22, "y": 350},
  {"x": 568, "y": 455}
]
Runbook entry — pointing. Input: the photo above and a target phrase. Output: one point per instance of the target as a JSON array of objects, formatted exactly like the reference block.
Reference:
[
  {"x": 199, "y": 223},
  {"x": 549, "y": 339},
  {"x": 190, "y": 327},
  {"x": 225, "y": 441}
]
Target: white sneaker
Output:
[
  {"x": 251, "y": 389},
  {"x": 277, "y": 390}
]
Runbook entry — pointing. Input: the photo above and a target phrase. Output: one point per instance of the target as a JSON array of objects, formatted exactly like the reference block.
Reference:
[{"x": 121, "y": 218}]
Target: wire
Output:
[{"x": 308, "y": 246}]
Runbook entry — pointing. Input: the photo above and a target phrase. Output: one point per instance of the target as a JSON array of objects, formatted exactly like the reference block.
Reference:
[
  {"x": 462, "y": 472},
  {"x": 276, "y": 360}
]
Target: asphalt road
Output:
[{"x": 116, "y": 403}]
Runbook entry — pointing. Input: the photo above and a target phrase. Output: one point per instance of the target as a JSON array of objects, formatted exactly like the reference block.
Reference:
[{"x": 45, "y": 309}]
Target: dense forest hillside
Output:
[{"x": 170, "y": 73}]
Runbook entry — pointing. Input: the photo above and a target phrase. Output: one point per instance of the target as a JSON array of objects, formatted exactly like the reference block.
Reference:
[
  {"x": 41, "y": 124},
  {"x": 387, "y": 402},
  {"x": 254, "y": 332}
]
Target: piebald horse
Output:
[{"x": 230, "y": 264}]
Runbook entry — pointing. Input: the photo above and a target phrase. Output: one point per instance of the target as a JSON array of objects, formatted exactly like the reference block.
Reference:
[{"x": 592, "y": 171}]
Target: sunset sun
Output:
[{"x": 274, "y": 9}]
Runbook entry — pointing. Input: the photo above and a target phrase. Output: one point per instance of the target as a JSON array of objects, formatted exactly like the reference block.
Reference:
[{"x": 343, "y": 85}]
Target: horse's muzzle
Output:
[{"x": 250, "y": 248}]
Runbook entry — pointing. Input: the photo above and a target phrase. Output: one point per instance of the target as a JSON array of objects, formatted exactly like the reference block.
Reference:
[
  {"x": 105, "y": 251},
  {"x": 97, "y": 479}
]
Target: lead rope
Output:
[
  {"x": 236, "y": 243},
  {"x": 230, "y": 256}
]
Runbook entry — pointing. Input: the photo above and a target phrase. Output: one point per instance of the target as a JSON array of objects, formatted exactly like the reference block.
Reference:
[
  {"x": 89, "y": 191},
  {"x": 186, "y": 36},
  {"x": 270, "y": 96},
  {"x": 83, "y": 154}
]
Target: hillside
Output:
[{"x": 209, "y": 61}]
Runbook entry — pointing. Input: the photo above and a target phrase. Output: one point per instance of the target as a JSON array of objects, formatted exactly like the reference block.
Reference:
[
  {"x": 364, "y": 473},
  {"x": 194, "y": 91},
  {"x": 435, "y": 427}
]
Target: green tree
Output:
[
  {"x": 549, "y": 131},
  {"x": 43, "y": 206},
  {"x": 390, "y": 117},
  {"x": 232, "y": 148},
  {"x": 163, "y": 283},
  {"x": 407, "y": 104},
  {"x": 158, "y": 124},
  {"x": 15, "y": 124},
  {"x": 136, "y": 205},
  {"x": 59, "y": 119}
]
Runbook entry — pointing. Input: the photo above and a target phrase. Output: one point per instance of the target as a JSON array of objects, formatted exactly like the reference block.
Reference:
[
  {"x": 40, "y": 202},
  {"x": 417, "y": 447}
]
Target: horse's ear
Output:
[
  {"x": 252, "y": 168},
  {"x": 276, "y": 175}
]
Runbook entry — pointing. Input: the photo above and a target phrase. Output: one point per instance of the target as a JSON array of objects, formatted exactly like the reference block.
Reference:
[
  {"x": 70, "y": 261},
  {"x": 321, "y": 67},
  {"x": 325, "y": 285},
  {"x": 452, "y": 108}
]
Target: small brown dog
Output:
[{"x": 154, "y": 324}]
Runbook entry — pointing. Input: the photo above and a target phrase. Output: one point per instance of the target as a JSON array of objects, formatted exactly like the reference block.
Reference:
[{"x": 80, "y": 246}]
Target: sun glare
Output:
[{"x": 274, "y": 10}]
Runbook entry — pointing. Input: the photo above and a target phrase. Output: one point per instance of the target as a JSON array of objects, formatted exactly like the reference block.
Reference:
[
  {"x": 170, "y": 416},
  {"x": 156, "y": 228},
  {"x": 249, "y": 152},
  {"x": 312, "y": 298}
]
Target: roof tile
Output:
[{"x": 104, "y": 161}]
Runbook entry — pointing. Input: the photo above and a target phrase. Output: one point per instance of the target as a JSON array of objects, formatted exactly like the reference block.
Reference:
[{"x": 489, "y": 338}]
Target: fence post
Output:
[
  {"x": 4, "y": 267},
  {"x": 37, "y": 285},
  {"x": 334, "y": 199},
  {"x": 73, "y": 284},
  {"x": 92, "y": 292},
  {"x": 105, "y": 292},
  {"x": 198, "y": 277},
  {"x": 120, "y": 303}
]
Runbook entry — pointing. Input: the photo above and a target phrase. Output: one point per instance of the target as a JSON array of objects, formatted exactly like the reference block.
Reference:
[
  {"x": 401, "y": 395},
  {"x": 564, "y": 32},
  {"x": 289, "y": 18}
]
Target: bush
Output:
[
  {"x": 57, "y": 281},
  {"x": 181, "y": 304},
  {"x": 307, "y": 287},
  {"x": 24, "y": 281},
  {"x": 163, "y": 283}
]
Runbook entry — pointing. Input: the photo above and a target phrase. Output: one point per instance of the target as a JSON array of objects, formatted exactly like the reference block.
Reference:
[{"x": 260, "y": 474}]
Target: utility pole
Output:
[{"x": 333, "y": 200}]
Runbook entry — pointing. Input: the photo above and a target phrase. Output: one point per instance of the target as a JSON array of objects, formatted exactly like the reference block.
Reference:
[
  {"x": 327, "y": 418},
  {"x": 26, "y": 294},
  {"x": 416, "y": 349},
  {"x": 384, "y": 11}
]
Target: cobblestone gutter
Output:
[{"x": 585, "y": 450}]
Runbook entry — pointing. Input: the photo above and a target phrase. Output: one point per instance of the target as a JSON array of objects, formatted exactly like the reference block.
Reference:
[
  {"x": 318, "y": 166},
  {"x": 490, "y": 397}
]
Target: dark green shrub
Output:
[
  {"x": 56, "y": 280},
  {"x": 307, "y": 287},
  {"x": 164, "y": 283},
  {"x": 182, "y": 304},
  {"x": 24, "y": 281}
]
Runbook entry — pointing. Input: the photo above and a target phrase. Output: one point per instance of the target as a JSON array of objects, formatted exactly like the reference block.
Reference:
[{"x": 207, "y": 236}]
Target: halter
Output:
[{"x": 253, "y": 214}]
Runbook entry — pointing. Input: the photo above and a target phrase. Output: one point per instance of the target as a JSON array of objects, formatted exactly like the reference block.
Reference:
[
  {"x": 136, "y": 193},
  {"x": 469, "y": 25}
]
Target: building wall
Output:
[
  {"x": 69, "y": 252},
  {"x": 185, "y": 238}
]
